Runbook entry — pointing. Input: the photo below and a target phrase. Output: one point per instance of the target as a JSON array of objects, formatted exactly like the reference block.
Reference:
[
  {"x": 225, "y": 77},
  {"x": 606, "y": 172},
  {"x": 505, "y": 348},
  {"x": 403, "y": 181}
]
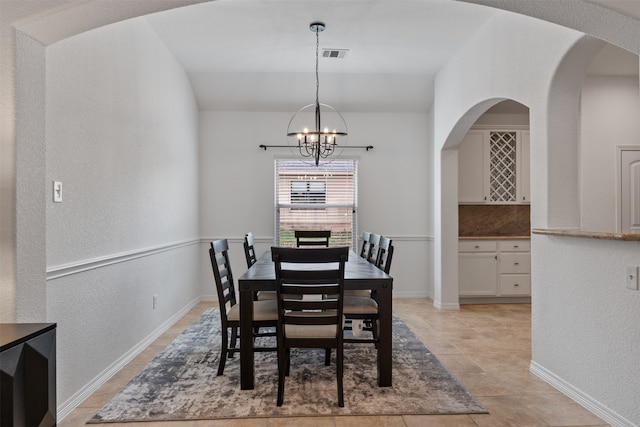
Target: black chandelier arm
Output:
[{"x": 362, "y": 147}]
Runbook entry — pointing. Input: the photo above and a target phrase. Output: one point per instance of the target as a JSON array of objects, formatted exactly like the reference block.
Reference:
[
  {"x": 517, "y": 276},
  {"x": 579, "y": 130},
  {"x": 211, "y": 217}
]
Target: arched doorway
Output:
[{"x": 494, "y": 223}]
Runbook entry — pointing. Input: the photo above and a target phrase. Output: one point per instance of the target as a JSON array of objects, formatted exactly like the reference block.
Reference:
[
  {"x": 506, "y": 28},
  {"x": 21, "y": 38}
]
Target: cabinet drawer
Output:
[
  {"x": 515, "y": 284},
  {"x": 515, "y": 263},
  {"x": 515, "y": 245},
  {"x": 477, "y": 246}
]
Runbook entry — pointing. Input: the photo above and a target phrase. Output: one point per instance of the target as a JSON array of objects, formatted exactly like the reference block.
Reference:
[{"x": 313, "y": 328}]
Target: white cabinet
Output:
[
  {"x": 493, "y": 167},
  {"x": 515, "y": 267},
  {"x": 477, "y": 274},
  {"x": 477, "y": 264},
  {"x": 494, "y": 268},
  {"x": 472, "y": 168}
]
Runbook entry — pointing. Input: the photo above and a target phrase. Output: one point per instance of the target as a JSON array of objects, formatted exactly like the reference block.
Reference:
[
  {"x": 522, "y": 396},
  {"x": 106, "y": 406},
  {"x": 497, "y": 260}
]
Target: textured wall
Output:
[
  {"x": 122, "y": 138},
  {"x": 585, "y": 328}
]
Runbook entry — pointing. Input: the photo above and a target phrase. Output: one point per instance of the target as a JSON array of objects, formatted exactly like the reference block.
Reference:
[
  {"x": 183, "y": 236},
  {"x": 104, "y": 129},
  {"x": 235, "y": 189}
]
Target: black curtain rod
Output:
[{"x": 366, "y": 147}]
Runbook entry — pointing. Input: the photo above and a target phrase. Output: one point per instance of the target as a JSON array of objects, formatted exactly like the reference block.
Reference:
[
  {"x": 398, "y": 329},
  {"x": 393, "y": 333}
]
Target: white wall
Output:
[
  {"x": 586, "y": 338},
  {"x": 237, "y": 185},
  {"x": 610, "y": 109},
  {"x": 122, "y": 138},
  {"x": 584, "y": 321}
]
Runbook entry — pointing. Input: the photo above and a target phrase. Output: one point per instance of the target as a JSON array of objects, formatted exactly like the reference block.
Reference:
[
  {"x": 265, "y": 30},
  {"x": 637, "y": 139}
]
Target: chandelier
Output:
[{"x": 319, "y": 141}]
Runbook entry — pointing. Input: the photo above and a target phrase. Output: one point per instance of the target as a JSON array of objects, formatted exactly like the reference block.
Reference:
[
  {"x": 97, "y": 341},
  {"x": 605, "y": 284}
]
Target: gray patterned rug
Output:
[{"x": 181, "y": 383}]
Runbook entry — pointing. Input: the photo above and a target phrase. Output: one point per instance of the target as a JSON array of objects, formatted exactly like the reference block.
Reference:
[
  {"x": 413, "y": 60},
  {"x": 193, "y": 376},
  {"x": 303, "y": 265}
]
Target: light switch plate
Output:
[
  {"x": 632, "y": 278},
  {"x": 57, "y": 191}
]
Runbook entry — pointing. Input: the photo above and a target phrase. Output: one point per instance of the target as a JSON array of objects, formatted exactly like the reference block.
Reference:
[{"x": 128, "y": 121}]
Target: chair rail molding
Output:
[{"x": 59, "y": 271}]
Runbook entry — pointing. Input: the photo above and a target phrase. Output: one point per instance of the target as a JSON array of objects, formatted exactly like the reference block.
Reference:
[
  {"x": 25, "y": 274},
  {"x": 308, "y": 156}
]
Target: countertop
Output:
[
  {"x": 494, "y": 238},
  {"x": 589, "y": 234}
]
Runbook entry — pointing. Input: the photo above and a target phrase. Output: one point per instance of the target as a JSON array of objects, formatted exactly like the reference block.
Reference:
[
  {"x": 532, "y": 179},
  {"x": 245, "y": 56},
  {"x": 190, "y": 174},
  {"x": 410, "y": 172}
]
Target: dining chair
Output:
[
  {"x": 365, "y": 308},
  {"x": 364, "y": 253},
  {"x": 252, "y": 258},
  {"x": 249, "y": 249},
  {"x": 364, "y": 249},
  {"x": 265, "y": 313},
  {"x": 312, "y": 237},
  {"x": 374, "y": 243},
  {"x": 385, "y": 254},
  {"x": 313, "y": 321}
]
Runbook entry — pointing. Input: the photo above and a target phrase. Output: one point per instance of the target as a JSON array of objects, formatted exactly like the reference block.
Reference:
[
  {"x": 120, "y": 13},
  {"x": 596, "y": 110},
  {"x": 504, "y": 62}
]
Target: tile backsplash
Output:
[{"x": 494, "y": 220}]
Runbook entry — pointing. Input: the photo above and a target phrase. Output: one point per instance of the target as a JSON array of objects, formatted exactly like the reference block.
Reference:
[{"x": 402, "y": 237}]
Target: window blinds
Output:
[{"x": 309, "y": 197}]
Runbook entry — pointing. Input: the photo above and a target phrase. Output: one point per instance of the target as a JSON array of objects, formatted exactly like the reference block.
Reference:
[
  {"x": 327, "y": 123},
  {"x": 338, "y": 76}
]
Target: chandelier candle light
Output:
[{"x": 318, "y": 142}]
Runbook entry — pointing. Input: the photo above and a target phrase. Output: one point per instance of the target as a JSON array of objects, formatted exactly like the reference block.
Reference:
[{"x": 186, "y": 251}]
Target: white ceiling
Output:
[{"x": 260, "y": 54}]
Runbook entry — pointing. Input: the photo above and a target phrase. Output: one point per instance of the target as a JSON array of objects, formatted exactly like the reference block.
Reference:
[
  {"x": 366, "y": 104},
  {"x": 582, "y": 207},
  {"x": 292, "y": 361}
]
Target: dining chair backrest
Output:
[
  {"x": 295, "y": 276},
  {"x": 364, "y": 250},
  {"x": 385, "y": 254},
  {"x": 374, "y": 243},
  {"x": 312, "y": 237},
  {"x": 219, "y": 254},
  {"x": 249, "y": 249}
]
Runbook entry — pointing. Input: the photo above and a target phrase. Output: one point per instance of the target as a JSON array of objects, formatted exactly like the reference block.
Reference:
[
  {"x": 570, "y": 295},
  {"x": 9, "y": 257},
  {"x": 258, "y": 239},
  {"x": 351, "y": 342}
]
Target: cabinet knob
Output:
[
  {"x": 516, "y": 284},
  {"x": 516, "y": 246},
  {"x": 477, "y": 247},
  {"x": 516, "y": 263}
]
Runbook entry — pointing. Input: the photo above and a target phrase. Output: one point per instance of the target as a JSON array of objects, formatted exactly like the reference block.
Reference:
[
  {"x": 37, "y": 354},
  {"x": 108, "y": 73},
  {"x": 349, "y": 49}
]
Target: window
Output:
[{"x": 310, "y": 197}]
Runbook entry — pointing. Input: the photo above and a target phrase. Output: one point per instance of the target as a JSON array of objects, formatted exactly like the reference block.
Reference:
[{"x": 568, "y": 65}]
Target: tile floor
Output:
[{"x": 488, "y": 347}]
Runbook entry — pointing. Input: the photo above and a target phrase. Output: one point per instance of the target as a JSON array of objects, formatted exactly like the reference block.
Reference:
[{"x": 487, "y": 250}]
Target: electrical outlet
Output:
[
  {"x": 155, "y": 301},
  {"x": 632, "y": 278}
]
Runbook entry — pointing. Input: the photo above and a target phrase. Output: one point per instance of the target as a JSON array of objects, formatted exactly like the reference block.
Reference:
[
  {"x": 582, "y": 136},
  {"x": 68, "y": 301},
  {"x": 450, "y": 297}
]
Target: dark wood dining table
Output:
[{"x": 359, "y": 274}]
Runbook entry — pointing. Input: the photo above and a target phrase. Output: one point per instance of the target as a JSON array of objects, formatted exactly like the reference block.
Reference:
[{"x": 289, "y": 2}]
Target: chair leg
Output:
[
  {"x": 288, "y": 370},
  {"x": 223, "y": 350},
  {"x": 327, "y": 357},
  {"x": 234, "y": 338},
  {"x": 375, "y": 330},
  {"x": 282, "y": 367},
  {"x": 340, "y": 375}
]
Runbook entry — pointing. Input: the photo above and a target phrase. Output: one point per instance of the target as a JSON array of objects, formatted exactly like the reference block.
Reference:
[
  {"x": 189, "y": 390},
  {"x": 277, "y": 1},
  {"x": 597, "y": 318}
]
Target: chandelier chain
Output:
[{"x": 317, "y": 73}]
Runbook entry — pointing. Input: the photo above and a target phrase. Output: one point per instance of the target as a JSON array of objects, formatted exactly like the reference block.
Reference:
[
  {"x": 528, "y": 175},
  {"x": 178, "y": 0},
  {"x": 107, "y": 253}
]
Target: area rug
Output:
[{"x": 181, "y": 382}]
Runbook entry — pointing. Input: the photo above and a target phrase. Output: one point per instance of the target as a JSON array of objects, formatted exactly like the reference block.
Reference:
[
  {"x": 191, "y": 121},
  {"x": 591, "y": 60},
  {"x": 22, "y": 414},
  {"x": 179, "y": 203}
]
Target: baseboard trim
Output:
[
  {"x": 579, "y": 397},
  {"x": 495, "y": 300},
  {"x": 448, "y": 306},
  {"x": 74, "y": 401}
]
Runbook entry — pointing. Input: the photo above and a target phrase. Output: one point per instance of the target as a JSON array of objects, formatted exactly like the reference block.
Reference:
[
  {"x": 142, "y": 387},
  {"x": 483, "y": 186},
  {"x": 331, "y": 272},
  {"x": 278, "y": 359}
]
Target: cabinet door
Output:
[
  {"x": 524, "y": 175},
  {"x": 471, "y": 168},
  {"x": 477, "y": 274}
]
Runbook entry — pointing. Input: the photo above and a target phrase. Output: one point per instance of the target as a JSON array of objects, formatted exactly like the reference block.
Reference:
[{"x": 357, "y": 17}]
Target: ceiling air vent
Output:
[{"x": 334, "y": 53}]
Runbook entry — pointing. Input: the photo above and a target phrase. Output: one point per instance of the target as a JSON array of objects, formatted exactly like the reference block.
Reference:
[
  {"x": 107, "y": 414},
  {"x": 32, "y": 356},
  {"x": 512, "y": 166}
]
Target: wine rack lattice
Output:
[{"x": 502, "y": 169}]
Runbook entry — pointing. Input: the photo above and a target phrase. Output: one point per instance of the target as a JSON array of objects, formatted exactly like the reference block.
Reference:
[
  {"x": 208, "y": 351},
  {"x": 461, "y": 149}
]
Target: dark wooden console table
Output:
[{"x": 28, "y": 370}]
